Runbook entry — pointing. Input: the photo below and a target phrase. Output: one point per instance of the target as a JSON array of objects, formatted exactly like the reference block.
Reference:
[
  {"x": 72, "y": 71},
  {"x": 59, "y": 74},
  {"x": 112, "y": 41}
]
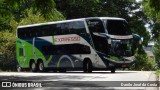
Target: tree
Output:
[
  {"x": 8, "y": 39},
  {"x": 16, "y": 9},
  {"x": 7, "y": 49},
  {"x": 155, "y": 4},
  {"x": 78, "y": 8},
  {"x": 144, "y": 62},
  {"x": 156, "y": 51},
  {"x": 152, "y": 9},
  {"x": 127, "y": 9},
  {"x": 46, "y": 8},
  {"x": 5, "y": 17},
  {"x": 21, "y": 12}
]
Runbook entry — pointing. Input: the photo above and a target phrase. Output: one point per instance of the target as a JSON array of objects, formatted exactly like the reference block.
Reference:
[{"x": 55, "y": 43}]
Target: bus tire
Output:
[
  {"x": 40, "y": 66},
  {"x": 33, "y": 67},
  {"x": 63, "y": 70},
  {"x": 87, "y": 66},
  {"x": 113, "y": 69},
  {"x": 19, "y": 69}
]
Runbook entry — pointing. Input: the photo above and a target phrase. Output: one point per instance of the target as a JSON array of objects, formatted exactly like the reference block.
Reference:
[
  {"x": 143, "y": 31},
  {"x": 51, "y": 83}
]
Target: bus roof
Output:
[
  {"x": 71, "y": 20},
  {"x": 108, "y": 18}
]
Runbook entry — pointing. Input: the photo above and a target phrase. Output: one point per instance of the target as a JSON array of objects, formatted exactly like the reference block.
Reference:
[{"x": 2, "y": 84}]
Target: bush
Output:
[
  {"x": 8, "y": 39},
  {"x": 156, "y": 52},
  {"x": 7, "y": 50},
  {"x": 143, "y": 62}
]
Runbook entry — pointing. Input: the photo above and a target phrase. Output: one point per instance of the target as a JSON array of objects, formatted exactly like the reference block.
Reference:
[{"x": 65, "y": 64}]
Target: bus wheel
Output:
[
  {"x": 113, "y": 69},
  {"x": 19, "y": 69},
  {"x": 33, "y": 66},
  {"x": 40, "y": 66},
  {"x": 62, "y": 70},
  {"x": 87, "y": 66}
]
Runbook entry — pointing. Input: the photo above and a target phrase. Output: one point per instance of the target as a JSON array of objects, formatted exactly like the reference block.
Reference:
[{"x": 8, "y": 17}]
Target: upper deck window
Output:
[
  {"x": 74, "y": 27},
  {"x": 95, "y": 25},
  {"x": 118, "y": 27}
]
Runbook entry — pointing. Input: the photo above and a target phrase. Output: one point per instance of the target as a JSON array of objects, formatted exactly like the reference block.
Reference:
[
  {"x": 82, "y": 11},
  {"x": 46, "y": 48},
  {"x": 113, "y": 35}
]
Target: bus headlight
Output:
[
  {"x": 140, "y": 42},
  {"x": 109, "y": 41}
]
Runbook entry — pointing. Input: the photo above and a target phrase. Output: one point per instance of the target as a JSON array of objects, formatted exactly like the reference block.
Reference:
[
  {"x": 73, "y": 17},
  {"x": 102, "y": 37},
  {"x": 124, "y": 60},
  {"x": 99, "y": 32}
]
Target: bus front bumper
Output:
[{"x": 126, "y": 62}]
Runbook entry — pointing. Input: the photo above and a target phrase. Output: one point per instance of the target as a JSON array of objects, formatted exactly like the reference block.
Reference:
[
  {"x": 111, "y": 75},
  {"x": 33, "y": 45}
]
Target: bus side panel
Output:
[
  {"x": 43, "y": 43},
  {"x": 28, "y": 51},
  {"x": 72, "y": 62},
  {"x": 75, "y": 62},
  {"x": 19, "y": 52},
  {"x": 65, "y": 61},
  {"x": 24, "y": 52}
]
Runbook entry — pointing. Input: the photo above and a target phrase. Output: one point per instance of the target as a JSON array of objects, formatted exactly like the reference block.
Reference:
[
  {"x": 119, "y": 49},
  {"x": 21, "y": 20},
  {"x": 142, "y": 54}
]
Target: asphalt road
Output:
[{"x": 78, "y": 80}]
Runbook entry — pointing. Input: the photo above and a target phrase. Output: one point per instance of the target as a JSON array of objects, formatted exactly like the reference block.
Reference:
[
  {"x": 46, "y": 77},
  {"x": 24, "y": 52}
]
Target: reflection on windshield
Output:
[{"x": 118, "y": 27}]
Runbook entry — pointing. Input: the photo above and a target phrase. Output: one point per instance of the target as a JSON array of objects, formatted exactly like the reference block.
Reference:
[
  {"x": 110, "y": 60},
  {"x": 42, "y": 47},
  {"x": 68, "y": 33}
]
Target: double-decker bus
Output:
[{"x": 94, "y": 43}]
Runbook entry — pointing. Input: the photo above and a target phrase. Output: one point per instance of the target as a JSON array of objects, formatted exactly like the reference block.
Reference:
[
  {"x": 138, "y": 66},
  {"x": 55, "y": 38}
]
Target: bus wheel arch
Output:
[
  {"x": 32, "y": 65},
  {"x": 40, "y": 65},
  {"x": 19, "y": 68},
  {"x": 113, "y": 69},
  {"x": 87, "y": 65}
]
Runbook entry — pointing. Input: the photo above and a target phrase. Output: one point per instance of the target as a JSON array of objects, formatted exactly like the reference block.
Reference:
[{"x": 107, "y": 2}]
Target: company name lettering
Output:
[{"x": 65, "y": 39}]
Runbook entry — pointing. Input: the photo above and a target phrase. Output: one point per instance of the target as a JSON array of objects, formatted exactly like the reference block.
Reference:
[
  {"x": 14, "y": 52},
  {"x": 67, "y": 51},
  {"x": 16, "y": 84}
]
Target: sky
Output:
[{"x": 138, "y": 0}]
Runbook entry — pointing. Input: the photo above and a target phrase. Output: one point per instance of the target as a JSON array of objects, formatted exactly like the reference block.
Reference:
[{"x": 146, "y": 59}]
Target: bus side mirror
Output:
[
  {"x": 136, "y": 37},
  {"x": 141, "y": 40}
]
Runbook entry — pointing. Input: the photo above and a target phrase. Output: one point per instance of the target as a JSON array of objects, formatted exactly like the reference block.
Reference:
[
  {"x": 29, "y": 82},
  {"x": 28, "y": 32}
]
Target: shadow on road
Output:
[{"x": 95, "y": 72}]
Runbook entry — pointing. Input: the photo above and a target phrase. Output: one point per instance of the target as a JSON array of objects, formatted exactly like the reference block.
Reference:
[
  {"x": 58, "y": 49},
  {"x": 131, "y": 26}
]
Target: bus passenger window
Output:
[
  {"x": 95, "y": 25},
  {"x": 20, "y": 51},
  {"x": 76, "y": 27},
  {"x": 58, "y": 29}
]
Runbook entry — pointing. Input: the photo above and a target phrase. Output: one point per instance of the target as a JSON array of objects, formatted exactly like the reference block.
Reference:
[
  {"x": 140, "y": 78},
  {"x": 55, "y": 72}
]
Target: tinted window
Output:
[
  {"x": 76, "y": 27},
  {"x": 95, "y": 25},
  {"x": 37, "y": 31},
  {"x": 54, "y": 29},
  {"x": 66, "y": 49},
  {"x": 20, "y": 51},
  {"x": 118, "y": 27}
]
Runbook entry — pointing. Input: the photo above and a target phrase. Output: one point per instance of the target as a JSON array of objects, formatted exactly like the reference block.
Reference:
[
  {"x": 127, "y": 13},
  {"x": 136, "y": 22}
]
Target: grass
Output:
[{"x": 158, "y": 72}]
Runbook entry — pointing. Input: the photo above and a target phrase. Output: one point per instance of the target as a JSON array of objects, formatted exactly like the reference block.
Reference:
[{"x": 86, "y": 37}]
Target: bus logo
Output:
[
  {"x": 67, "y": 39},
  {"x": 6, "y": 84}
]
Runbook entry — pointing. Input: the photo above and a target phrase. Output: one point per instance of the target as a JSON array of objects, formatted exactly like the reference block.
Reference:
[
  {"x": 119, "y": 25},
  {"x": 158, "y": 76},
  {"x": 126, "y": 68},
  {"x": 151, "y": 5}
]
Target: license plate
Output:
[{"x": 124, "y": 65}]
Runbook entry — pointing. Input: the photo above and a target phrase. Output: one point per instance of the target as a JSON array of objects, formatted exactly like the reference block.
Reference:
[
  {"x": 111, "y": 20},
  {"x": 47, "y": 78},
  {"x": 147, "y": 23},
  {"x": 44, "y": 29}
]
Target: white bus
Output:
[{"x": 95, "y": 43}]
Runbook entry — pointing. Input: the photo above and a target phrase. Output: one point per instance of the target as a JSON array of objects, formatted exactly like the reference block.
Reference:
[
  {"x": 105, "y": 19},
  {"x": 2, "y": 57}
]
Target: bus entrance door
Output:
[
  {"x": 20, "y": 53},
  {"x": 98, "y": 39}
]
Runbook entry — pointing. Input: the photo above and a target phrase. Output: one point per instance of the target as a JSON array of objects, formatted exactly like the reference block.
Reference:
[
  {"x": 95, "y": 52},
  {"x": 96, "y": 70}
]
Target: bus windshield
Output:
[{"x": 118, "y": 27}]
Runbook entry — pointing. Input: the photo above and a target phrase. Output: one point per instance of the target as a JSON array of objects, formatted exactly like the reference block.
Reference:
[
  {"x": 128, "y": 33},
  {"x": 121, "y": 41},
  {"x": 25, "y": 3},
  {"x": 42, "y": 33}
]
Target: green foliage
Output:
[
  {"x": 46, "y": 8},
  {"x": 154, "y": 17},
  {"x": 14, "y": 13},
  {"x": 78, "y": 8},
  {"x": 7, "y": 39},
  {"x": 156, "y": 51},
  {"x": 5, "y": 16},
  {"x": 137, "y": 27},
  {"x": 29, "y": 18},
  {"x": 111, "y": 8},
  {"x": 152, "y": 9},
  {"x": 22, "y": 12},
  {"x": 156, "y": 30},
  {"x": 7, "y": 50},
  {"x": 158, "y": 72},
  {"x": 18, "y": 9},
  {"x": 143, "y": 62},
  {"x": 155, "y": 4}
]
